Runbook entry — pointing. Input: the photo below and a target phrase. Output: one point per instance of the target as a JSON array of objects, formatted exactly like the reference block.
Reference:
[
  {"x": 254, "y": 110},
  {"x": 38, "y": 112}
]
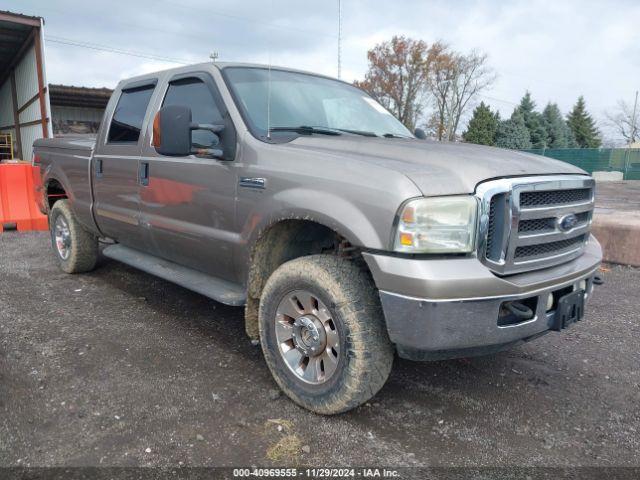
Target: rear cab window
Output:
[{"x": 129, "y": 114}]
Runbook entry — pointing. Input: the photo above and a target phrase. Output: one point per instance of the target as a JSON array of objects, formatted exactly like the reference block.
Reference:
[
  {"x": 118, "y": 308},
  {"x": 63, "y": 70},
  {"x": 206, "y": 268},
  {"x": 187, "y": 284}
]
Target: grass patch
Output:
[{"x": 287, "y": 447}]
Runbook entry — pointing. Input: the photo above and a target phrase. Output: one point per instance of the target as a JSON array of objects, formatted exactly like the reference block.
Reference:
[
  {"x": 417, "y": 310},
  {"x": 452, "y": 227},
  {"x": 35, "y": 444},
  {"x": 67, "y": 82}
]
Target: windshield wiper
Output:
[
  {"x": 357, "y": 132},
  {"x": 394, "y": 135},
  {"x": 306, "y": 130}
]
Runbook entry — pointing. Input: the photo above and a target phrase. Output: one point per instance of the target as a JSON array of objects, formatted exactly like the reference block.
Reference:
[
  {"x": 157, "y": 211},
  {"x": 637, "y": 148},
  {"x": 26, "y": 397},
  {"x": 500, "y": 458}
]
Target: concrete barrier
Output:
[
  {"x": 619, "y": 235},
  {"x": 608, "y": 176}
]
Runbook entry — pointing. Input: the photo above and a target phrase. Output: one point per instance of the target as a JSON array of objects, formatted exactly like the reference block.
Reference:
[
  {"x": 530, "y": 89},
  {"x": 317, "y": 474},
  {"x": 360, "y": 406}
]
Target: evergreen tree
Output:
[
  {"x": 583, "y": 126},
  {"x": 513, "y": 133},
  {"x": 571, "y": 138},
  {"x": 533, "y": 121},
  {"x": 558, "y": 132},
  {"x": 482, "y": 127}
]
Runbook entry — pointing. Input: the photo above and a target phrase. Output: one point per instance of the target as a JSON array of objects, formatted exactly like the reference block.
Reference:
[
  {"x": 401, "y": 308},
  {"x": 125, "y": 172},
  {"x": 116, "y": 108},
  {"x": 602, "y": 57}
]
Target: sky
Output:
[{"x": 556, "y": 49}]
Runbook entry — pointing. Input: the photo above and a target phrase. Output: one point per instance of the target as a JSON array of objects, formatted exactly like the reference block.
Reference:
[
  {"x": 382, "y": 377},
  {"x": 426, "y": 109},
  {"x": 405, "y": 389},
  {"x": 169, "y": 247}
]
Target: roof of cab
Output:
[{"x": 219, "y": 66}]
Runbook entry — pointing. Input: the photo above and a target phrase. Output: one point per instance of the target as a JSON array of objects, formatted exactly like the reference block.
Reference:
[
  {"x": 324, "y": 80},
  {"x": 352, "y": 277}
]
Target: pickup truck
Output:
[{"x": 347, "y": 238}]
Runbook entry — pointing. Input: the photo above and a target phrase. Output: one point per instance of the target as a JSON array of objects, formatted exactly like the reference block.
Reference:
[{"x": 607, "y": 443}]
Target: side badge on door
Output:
[{"x": 253, "y": 182}]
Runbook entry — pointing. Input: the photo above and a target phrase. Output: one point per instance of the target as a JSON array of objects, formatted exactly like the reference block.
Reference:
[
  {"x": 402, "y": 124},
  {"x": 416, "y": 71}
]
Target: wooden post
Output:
[
  {"x": 43, "y": 109},
  {"x": 16, "y": 115}
]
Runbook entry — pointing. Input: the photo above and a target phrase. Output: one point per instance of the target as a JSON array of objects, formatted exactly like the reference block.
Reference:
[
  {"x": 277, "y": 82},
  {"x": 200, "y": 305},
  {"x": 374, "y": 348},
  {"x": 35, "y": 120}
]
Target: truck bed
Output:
[
  {"x": 68, "y": 160},
  {"x": 67, "y": 143}
]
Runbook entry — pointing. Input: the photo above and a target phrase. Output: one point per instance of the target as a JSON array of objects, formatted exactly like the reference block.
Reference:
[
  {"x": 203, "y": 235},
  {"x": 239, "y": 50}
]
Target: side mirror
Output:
[
  {"x": 172, "y": 131},
  {"x": 419, "y": 133},
  {"x": 172, "y": 127}
]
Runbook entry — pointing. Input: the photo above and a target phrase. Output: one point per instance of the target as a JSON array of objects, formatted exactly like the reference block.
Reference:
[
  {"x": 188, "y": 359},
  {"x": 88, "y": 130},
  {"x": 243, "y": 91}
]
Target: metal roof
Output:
[
  {"x": 21, "y": 17},
  {"x": 15, "y": 29},
  {"x": 70, "y": 96}
]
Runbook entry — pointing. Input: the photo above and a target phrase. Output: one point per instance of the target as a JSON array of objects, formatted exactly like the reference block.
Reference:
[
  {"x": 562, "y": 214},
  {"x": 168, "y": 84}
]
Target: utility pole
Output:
[{"x": 339, "y": 38}]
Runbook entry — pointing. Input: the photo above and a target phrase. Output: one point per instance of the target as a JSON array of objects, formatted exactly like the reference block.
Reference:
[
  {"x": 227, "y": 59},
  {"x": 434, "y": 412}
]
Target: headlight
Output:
[{"x": 437, "y": 225}]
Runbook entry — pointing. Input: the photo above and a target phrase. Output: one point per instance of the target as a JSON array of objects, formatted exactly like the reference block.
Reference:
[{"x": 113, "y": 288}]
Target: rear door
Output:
[
  {"x": 188, "y": 203},
  {"x": 115, "y": 168}
]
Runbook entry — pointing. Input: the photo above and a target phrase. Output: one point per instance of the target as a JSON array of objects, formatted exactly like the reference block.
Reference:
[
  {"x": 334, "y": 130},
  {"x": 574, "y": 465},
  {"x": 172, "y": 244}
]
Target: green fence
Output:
[{"x": 625, "y": 160}]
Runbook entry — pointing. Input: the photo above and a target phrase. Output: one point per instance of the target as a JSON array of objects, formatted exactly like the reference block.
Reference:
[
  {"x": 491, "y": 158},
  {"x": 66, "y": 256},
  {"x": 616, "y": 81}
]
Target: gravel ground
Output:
[
  {"x": 612, "y": 197},
  {"x": 120, "y": 368}
]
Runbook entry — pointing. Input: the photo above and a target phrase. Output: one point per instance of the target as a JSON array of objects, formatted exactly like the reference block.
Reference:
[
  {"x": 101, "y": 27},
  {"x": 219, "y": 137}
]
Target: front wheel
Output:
[
  {"x": 76, "y": 249},
  {"x": 323, "y": 333}
]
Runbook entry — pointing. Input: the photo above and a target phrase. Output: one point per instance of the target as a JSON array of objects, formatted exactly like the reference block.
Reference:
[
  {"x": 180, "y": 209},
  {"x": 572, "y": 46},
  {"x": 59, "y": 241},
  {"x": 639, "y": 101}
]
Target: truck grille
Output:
[
  {"x": 493, "y": 247},
  {"x": 539, "y": 225},
  {"x": 554, "y": 197},
  {"x": 547, "y": 248},
  {"x": 534, "y": 222}
]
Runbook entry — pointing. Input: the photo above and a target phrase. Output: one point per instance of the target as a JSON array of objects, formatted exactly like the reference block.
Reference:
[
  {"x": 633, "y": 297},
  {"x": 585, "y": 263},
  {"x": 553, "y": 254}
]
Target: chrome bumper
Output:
[{"x": 452, "y": 309}]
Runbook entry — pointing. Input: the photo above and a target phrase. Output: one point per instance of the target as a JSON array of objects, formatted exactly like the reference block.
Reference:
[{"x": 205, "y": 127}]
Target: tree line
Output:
[
  {"x": 527, "y": 128},
  {"x": 435, "y": 87}
]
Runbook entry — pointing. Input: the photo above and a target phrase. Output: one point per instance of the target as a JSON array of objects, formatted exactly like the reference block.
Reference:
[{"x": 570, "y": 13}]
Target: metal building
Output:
[
  {"x": 25, "y": 112},
  {"x": 77, "y": 110}
]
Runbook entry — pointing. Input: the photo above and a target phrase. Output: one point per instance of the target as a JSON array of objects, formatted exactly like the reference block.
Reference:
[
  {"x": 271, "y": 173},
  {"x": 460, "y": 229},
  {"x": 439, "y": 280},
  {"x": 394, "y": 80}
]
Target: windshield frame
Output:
[{"x": 285, "y": 138}]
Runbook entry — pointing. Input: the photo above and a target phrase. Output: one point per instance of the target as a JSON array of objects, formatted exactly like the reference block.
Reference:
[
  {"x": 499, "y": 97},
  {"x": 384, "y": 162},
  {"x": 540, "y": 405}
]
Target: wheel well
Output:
[
  {"x": 280, "y": 243},
  {"x": 55, "y": 192}
]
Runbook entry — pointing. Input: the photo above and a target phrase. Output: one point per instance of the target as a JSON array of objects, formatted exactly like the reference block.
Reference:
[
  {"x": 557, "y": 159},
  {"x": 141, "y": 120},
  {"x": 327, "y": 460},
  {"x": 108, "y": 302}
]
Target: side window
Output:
[
  {"x": 127, "y": 119},
  {"x": 193, "y": 93}
]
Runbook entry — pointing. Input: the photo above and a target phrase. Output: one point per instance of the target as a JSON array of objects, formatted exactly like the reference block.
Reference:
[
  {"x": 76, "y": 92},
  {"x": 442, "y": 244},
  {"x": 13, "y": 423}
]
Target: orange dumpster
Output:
[{"x": 17, "y": 198}]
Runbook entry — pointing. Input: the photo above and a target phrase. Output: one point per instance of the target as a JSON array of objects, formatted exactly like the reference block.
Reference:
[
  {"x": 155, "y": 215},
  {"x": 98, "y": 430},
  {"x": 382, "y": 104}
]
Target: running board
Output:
[{"x": 212, "y": 287}]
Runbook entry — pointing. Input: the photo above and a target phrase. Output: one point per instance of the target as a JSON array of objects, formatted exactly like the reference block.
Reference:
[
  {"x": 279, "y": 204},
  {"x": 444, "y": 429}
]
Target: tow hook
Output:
[
  {"x": 598, "y": 280},
  {"x": 520, "y": 310}
]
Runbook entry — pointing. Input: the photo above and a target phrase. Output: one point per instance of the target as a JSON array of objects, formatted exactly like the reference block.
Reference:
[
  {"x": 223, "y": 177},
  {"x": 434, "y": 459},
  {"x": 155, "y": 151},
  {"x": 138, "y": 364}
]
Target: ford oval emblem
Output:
[{"x": 567, "y": 222}]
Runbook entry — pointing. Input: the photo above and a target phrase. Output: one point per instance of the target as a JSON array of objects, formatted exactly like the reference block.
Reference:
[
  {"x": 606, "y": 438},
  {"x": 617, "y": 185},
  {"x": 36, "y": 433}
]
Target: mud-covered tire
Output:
[
  {"x": 366, "y": 354},
  {"x": 82, "y": 249}
]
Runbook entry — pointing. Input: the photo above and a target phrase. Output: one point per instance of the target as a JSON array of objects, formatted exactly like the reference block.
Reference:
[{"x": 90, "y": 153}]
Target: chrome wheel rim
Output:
[
  {"x": 62, "y": 237},
  {"x": 307, "y": 337}
]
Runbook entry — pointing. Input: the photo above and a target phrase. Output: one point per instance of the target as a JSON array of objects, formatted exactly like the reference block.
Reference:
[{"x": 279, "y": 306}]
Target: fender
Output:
[
  {"x": 348, "y": 219},
  {"x": 54, "y": 173},
  {"x": 325, "y": 208},
  {"x": 83, "y": 210}
]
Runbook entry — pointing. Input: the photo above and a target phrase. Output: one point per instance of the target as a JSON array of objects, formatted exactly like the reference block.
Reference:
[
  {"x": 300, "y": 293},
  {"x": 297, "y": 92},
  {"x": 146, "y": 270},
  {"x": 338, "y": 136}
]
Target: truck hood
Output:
[{"x": 436, "y": 168}]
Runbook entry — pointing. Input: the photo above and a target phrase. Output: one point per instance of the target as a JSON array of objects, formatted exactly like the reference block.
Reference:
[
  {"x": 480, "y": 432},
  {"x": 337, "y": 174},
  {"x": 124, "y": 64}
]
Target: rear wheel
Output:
[
  {"x": 76, "y": 249},
  {"x": 323, "y": 333}
]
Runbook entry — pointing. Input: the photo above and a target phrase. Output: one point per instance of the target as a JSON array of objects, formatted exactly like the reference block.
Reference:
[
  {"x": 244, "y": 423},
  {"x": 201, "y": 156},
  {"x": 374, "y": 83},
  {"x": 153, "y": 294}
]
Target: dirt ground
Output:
[{"x": 120, "y": 368}]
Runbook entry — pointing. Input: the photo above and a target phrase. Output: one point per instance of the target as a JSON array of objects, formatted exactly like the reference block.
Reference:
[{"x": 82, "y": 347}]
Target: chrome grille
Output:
[
  {"x": 534, "y": 222},
  {"x": 554, "y": 197},
  {"x": 540, "y": 225},
  {"x": 547, "y": 248},
  {"x": 537, "y": 225},
  {"x": 492, "y": 244}
]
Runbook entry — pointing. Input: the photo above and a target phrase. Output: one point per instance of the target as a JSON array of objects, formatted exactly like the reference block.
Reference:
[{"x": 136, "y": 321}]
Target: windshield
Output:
[{"x": 299, "y": 99}]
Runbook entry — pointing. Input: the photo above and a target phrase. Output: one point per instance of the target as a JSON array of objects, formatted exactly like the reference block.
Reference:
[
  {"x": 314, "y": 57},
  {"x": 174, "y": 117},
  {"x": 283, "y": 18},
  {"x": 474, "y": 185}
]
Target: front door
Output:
[
  {"x": 188, "y": 203},
  {"x": 115, "y": 167}
]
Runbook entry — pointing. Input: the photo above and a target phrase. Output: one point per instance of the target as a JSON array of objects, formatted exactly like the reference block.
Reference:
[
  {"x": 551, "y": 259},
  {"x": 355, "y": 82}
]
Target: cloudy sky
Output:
[{"x": 557, "y": 49}]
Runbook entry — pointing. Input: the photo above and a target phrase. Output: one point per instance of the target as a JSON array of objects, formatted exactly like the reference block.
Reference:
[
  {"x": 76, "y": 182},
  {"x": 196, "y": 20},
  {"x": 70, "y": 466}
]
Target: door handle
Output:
[
  {"x": 98, "y": 168},
  {"x": 143, "y": 174}
]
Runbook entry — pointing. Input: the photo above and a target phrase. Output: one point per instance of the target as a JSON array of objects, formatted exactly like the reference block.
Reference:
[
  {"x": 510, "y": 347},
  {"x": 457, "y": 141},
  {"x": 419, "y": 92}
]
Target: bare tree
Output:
[
  {"x": 404, "y": 73},
  {"x": 441, "y": 75},
  {"x": 455, "y": 82},
  {"x": 626, "y": 120},
  {"x": 397, "y": 77}
]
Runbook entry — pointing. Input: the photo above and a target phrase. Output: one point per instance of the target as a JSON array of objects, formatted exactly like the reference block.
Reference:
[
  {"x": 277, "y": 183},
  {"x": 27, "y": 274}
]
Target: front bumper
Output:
[{"x": 448, "y": 308}]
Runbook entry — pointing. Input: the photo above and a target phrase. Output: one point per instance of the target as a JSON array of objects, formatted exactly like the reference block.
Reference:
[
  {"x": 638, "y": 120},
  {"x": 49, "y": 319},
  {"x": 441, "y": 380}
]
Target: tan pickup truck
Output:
[{"x": 346, "y": 238}]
